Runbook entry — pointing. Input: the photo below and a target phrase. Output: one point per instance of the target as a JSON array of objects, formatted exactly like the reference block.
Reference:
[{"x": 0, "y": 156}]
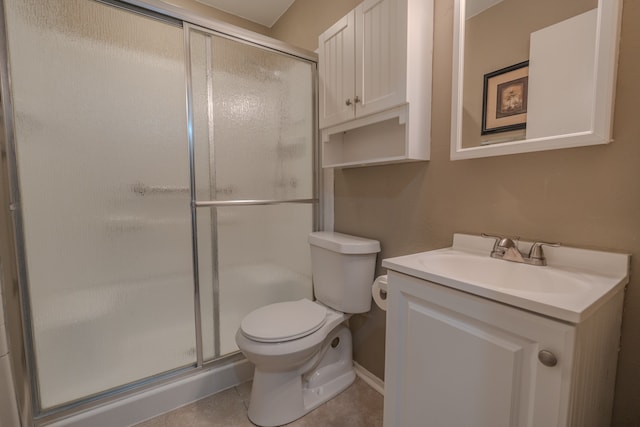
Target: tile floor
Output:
[{"x": 357, "y": 406}]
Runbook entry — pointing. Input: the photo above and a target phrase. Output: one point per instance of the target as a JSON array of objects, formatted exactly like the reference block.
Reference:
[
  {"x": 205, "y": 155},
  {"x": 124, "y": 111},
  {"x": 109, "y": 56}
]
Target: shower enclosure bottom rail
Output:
[{"x": 160, "y": 398}]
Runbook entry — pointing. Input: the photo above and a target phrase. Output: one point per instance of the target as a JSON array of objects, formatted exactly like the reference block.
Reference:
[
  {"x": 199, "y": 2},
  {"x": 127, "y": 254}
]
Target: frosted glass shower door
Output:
[
  {"x": 254, "y": 141},
  {"x": 101, "y": 138}
]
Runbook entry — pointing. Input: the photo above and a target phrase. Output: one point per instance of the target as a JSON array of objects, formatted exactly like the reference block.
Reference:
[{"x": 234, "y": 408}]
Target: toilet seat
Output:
[{"x": 284, "y": 321}]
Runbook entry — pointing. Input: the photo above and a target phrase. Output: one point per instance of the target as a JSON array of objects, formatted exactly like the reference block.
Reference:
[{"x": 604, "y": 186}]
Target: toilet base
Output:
[{"x": 279, "y": 398}]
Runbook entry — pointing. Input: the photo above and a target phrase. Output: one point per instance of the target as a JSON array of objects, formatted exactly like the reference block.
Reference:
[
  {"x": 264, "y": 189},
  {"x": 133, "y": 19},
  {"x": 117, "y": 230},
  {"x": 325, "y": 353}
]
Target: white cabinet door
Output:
[
  {"x": 336, "y": 60},
  {"x": 379, "y": 60},
  {"x": 454, "y": 359},
  {"x": 360, "y": 60}
]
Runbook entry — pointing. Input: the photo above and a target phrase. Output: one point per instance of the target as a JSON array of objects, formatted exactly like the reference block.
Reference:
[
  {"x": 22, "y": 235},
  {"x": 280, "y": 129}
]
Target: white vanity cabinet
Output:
[
  {"x": 372, "y": 74},
  {"x": 461, "y": 355}
]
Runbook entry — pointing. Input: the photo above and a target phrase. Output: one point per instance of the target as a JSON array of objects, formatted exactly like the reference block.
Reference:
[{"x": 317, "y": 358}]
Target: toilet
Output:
[{"x": 302, "y": 349}]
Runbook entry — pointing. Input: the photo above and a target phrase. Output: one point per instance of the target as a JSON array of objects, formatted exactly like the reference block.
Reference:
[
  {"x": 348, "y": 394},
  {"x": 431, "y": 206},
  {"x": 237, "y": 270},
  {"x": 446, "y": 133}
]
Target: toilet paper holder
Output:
[{"x": 379, "y": 291}]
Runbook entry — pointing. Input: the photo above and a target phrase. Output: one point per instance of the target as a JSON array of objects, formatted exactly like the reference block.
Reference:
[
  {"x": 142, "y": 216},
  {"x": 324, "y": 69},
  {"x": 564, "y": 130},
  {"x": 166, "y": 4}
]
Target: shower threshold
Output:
[{"x": 146, "y": 404}]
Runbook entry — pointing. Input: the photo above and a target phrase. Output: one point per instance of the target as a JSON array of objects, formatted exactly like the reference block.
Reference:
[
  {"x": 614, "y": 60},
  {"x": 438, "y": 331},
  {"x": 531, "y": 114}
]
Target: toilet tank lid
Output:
[{"x": 344, "y": 243}]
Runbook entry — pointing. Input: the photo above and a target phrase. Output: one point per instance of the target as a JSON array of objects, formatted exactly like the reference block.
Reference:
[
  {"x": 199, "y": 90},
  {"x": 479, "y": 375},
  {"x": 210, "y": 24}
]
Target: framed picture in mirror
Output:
[{"x": 505, "y": 99}]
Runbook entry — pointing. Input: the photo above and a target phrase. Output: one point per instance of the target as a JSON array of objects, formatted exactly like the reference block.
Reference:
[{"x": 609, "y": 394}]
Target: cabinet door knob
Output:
[
  {"x": 357, "y": 99},
  {"x": 348, "y": 101},
  {"x": 547, "y": 358}
]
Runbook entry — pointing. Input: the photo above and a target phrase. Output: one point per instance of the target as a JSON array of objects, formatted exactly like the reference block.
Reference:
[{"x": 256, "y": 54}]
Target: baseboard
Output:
[{"x": 376, "y": 383}]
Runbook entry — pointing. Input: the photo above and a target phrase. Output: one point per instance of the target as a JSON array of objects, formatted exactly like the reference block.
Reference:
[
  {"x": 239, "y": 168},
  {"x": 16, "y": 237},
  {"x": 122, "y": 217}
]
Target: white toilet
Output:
[{"x": 301, "y": 349}]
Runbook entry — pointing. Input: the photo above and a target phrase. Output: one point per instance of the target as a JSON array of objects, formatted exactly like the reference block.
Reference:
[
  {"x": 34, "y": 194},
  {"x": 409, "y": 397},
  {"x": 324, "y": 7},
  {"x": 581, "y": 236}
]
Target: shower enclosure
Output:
[{"x": 164, "y": 181}]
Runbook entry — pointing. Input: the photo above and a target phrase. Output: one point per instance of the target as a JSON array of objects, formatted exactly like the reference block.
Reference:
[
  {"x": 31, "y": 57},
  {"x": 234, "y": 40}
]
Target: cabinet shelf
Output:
[{"x": 380, "y": 138}]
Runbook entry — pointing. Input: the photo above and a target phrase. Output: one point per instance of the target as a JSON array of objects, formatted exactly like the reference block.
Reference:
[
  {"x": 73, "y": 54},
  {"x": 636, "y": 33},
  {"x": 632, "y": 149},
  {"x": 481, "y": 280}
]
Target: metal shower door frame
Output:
[
  {"x": 213, "y": 204},
  {"x": 23, "y": 366}
]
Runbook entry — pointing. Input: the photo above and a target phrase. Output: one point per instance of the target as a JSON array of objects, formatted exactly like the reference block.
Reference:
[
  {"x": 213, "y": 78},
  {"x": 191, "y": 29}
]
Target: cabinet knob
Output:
[
  {"x": 357, "y": 99},
  {"x": 348, "y": 101},
  {"x": 547, "y": 358}
]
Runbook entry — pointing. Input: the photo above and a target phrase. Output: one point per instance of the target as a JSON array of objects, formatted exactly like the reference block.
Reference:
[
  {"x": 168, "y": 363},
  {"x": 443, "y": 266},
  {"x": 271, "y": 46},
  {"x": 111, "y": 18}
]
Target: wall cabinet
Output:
[
  {"x": 456, "y": 359},
  {"x": 372, "y": 74},
  {"x": 359, "y": 72}
]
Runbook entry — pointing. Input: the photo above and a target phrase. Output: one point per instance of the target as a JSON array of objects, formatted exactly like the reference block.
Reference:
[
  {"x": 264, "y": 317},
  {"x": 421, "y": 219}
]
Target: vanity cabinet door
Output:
[{"x": 454, "y": 359}]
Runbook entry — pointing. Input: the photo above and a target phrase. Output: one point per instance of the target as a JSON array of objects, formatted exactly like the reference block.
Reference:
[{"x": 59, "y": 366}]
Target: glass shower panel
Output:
[
  {"x": 104, "y": 176},
  {"x": 254, "y": 140},
  {"x": 263, "y": 258},
  {"x": 262, "y": 123}
]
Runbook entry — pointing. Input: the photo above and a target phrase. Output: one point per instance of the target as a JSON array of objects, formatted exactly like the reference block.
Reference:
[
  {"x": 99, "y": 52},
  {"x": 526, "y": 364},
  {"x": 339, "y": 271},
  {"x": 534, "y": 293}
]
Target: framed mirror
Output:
[{"x": 532, "y": 75}]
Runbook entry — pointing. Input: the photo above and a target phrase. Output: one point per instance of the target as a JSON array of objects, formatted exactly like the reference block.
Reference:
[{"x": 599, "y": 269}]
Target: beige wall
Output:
[
  {"x": 212, "y": 13},
  {"x": 11, "y": 363},
  {"x": 586, "y": 197}
]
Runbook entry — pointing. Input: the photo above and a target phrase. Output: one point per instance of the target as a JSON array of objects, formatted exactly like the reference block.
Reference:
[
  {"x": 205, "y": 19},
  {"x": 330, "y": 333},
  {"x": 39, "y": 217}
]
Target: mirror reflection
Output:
[{"x": 529, "y": 69}]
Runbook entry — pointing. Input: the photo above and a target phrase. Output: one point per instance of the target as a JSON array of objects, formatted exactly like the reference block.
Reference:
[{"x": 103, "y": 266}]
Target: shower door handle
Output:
[{"x": 221, "y": 203}]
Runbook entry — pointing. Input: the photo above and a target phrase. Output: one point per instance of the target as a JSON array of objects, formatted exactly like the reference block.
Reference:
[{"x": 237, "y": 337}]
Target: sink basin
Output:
[
  {"x": 574, "y": 282},
  {"x": 510, "y": 276}
]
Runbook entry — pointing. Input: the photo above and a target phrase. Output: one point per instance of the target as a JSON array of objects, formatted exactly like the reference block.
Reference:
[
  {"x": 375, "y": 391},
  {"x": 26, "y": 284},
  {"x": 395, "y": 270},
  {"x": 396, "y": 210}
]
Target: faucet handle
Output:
[
  {"x": 501, "y": 245},
  {"x": 502, "y": 242},
  {"x": 491, "y": 236},
  {"x": 496, "y": 238},
  {"x": 536, "y": 250}
]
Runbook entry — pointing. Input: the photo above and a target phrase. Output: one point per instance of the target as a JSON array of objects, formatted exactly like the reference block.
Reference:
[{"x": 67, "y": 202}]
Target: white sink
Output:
[
  {"x": 575, "y": 281},
  {"x": 499, "y": 274}
]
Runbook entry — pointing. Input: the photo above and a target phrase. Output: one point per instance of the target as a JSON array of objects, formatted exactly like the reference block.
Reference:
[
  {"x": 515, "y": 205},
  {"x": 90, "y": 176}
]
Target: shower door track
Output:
[{"x": 164, "y": 8}]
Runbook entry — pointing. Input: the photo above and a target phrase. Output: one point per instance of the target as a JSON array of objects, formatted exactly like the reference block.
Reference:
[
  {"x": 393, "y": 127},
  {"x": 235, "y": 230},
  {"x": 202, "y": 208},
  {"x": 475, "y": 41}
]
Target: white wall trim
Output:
[
  {"x": 327, "y": 194},
  {"x": 376, "y": 383}
]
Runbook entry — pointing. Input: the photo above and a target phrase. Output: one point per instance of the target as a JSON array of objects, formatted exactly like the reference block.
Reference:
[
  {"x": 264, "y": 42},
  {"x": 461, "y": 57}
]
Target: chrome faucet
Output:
[{"x": 507, "y": 249}]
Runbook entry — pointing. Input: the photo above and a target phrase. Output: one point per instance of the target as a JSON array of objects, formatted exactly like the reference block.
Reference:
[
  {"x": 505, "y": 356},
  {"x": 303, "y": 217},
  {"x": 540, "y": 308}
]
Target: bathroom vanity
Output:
[{"x": 484, "y": 342}]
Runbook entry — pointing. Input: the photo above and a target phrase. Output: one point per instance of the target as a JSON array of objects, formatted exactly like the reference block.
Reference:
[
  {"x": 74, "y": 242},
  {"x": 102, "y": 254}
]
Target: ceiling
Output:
[
  {"x": 476, "y": 7},
  {"x": 264, "y": 12},
  {"x": 267, "y": 12}
]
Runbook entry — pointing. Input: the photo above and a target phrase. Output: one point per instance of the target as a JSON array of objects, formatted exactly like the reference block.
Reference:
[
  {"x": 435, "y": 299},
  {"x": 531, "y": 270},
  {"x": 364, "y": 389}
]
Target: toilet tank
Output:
[{"x": 343, "y": 269}]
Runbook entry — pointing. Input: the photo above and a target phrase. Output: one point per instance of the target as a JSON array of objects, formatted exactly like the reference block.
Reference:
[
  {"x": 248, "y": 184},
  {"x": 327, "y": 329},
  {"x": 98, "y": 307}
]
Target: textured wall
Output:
[
  {"x": 8, "y": 404},
  {"x": 212, "y": 13},
  {"x": 11, "y": 351},
  {"x": 586, "y": 197}
]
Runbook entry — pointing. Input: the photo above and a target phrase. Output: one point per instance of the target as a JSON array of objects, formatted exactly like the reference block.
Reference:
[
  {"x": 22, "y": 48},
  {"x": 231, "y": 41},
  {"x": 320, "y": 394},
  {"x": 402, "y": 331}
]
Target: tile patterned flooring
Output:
[{"x": 358, "y": 406}]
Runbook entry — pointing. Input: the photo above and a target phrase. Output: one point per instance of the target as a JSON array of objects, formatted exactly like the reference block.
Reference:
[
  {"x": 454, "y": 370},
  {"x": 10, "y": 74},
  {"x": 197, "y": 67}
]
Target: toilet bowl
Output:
[
  {"x": 290, "y": 378},
  {"x": 302, "y": 350}
]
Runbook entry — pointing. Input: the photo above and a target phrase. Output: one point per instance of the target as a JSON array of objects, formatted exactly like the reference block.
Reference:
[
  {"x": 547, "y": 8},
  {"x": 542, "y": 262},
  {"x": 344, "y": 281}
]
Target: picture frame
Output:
[{"x": 505, "y": 94}]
